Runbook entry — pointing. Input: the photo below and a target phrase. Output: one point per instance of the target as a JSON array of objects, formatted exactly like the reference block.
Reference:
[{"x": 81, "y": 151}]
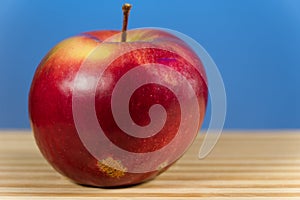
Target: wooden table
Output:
[{"x": 243, "y": 165}]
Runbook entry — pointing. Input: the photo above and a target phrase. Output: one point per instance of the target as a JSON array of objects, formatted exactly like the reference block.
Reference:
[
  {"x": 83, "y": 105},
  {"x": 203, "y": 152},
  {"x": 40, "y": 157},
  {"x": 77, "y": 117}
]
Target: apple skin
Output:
[{"x": 50, "y": 105}]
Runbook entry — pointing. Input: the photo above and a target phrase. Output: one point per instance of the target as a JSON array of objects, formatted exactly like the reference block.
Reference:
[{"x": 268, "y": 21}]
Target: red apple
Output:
[{"x": 67, "y": 85}]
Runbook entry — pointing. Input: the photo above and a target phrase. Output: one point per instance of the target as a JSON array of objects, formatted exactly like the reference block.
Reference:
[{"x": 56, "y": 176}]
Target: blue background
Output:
[{"x": 255, "y": 43}]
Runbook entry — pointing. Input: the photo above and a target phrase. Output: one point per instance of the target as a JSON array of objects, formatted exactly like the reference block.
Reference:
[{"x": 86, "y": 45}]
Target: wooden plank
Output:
[{"x": 243, "y": 165}]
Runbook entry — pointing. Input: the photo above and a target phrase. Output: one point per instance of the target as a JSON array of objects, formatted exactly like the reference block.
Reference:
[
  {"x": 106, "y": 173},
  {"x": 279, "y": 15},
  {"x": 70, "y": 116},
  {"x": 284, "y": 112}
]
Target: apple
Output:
[{"x": 67, "y": 85}]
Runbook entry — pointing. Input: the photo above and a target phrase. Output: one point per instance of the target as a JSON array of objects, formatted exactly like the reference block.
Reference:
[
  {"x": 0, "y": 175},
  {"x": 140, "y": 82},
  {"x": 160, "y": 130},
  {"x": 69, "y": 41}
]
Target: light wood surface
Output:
[{"x": 243, "y": 165}]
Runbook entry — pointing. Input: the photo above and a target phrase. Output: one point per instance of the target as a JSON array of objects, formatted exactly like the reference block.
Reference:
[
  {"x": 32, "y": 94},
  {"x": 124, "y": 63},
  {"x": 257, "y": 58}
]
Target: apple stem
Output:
[{"x": 126, "y": 9}]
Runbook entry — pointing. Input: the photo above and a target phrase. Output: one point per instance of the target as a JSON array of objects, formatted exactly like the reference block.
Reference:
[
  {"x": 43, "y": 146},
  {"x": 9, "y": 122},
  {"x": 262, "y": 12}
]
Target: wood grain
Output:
[{"x": 243, "y": 165}]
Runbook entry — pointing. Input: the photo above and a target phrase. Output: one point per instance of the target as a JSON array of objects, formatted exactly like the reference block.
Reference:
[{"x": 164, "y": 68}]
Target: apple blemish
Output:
[{"x": 111, "y": 167}]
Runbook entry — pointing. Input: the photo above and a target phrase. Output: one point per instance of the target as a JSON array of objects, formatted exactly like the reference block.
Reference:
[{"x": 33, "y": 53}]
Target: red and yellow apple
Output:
[{"x": 52, "y": 94}]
